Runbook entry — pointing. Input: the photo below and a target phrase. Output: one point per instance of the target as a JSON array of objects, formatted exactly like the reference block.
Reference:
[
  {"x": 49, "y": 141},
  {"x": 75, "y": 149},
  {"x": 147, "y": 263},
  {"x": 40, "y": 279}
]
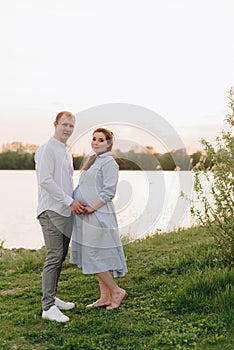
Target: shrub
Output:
[{"x": 218, "y": 202}]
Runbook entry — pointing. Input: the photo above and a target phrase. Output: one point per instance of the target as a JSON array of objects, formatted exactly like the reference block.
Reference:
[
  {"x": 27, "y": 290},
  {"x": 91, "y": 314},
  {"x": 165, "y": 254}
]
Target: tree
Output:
[
  {"x": 218, "y": 202},
  {"x": 77, "y": 162},
  {"x": 166, "y": 161},
  {"x": 181, "y": 159}
]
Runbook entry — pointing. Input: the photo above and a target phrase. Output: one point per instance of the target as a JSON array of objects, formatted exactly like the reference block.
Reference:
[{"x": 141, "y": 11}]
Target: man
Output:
[{"x": 55, "y": 206}]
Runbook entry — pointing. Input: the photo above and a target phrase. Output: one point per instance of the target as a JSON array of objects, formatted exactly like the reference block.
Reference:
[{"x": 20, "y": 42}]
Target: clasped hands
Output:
[{"x": 80, "y": 208}]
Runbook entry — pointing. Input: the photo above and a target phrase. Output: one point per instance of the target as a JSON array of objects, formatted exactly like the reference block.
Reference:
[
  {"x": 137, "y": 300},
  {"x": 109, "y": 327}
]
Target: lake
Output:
[{"x": 145, "y": 201}]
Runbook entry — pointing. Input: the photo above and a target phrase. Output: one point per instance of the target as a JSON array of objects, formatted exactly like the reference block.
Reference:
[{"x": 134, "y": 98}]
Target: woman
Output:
[{"x": 96, "y": 246}]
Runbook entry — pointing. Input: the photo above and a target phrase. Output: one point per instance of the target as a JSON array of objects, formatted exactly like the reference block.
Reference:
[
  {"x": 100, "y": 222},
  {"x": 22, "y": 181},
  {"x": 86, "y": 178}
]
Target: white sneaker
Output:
[
  {"x": 63, "y": 305},
  {"x": 54, "y": 314}
]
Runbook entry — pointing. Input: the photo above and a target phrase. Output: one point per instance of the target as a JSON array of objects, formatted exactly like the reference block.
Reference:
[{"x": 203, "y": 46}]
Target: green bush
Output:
[{"x": 218, "y": 202}]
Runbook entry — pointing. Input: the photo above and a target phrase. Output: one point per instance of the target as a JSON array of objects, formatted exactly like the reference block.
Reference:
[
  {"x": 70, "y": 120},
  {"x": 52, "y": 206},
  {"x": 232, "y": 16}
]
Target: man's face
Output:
[{"x": 64, "y": 128}]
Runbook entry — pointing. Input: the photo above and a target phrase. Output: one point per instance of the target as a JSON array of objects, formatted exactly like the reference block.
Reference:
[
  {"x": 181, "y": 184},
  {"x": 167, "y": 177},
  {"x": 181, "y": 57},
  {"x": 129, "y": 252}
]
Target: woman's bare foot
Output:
[
  {"x": 117, "y": 299},
  {"x": 100, "y": 303}
]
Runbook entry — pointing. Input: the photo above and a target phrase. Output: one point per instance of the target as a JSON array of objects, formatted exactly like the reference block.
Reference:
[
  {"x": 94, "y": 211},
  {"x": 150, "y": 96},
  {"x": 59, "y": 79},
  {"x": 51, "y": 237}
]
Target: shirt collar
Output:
[
  {"x": 53, "y": 139},
  {"x": 108, "y": 153}
]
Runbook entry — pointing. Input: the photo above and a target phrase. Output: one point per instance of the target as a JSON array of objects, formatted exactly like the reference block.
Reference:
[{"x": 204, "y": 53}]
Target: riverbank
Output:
[{"x": 180, "y": 297}]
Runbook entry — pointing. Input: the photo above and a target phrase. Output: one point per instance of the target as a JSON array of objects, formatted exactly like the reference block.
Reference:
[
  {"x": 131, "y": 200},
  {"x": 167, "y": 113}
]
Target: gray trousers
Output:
[{"x": 57, "y": 232}]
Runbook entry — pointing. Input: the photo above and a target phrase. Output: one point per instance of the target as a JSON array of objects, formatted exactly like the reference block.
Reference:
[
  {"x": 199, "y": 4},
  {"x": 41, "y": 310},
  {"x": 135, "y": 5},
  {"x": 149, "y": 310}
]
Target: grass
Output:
[{"x": 180, "y": 297}]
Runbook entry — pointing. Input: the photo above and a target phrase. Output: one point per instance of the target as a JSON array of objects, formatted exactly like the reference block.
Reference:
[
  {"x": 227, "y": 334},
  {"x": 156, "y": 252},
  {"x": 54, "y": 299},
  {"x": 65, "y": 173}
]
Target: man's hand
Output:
[{"x": 78, "y": 207}]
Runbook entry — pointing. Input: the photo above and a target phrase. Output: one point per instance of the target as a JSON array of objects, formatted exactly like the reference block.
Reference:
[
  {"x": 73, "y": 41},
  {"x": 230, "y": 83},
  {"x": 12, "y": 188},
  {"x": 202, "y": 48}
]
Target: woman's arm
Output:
[
  {"x": 110, "y": 172},
  {"x": 96, "y": 205}
]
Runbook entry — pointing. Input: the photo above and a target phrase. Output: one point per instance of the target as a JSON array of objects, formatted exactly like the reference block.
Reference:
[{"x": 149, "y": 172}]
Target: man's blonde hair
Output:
[{"x": 60, "y": 114}]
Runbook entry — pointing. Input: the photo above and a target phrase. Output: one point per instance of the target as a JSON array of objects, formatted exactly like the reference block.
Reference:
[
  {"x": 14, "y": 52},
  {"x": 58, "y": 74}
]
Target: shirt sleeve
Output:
[
  {"x": 45, "y": 164},
  {"x": 110, "y": 172}
]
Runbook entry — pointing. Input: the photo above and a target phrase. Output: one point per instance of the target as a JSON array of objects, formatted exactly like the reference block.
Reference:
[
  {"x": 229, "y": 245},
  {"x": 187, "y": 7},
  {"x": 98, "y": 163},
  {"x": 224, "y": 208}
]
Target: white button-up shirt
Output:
[{"x": 54, "y": 170}]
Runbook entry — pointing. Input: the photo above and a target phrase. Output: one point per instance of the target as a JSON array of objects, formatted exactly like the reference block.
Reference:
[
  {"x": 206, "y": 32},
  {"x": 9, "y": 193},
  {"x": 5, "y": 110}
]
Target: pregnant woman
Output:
[{"x": 96, "y": 245}]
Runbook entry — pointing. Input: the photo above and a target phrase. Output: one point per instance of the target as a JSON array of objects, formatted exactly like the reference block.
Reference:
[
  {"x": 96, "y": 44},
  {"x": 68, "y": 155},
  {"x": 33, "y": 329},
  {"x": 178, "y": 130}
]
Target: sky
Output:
[{"x": 172, "y": 57}]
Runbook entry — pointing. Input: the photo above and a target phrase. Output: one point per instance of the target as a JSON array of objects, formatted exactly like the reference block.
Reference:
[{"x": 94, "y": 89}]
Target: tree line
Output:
[{"x": 131, "y": 160}]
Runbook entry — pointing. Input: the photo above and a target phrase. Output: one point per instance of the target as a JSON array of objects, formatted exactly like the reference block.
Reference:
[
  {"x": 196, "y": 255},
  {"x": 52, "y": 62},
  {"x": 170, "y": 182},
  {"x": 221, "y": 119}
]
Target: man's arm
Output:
[{"x": 45, "y": 164}]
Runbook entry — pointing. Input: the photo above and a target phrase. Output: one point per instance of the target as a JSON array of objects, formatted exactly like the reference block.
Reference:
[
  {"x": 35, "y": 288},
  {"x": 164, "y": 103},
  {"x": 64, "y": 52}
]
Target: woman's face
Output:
[{"x": 99, "y": 142}]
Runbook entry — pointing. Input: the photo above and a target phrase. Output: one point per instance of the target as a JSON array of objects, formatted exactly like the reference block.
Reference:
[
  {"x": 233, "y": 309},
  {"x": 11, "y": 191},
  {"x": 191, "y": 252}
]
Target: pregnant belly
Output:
[
  {"x": 78, "y": 196},
  {"x": 86, "y": 194}
]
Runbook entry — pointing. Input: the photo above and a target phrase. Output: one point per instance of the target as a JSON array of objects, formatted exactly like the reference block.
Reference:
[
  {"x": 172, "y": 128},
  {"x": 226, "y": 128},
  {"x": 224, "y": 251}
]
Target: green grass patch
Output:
[{"x": 180, "y": 297}]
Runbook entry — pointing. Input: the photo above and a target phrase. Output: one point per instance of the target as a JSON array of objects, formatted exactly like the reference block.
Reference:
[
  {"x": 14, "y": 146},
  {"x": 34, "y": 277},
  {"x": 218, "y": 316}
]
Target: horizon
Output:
[{"x": 148, "y": 149}]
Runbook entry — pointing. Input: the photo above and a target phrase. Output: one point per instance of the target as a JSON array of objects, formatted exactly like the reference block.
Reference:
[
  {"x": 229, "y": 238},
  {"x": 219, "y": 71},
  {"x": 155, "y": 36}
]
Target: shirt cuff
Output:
[{"x": 69, "y": 200}]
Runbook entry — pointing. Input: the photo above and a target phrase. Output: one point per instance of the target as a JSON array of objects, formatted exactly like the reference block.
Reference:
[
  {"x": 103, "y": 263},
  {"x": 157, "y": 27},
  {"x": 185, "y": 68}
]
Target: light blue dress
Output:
[{"x": 96, "y": 245}]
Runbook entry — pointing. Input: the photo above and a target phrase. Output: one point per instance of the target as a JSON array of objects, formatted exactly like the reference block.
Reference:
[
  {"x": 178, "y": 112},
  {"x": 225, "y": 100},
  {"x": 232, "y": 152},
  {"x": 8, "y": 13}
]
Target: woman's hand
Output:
[
  {"x": 96, "y": 205},
  {"x": 78, "y": 207},
  {"x": 89, "y": 210}
]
